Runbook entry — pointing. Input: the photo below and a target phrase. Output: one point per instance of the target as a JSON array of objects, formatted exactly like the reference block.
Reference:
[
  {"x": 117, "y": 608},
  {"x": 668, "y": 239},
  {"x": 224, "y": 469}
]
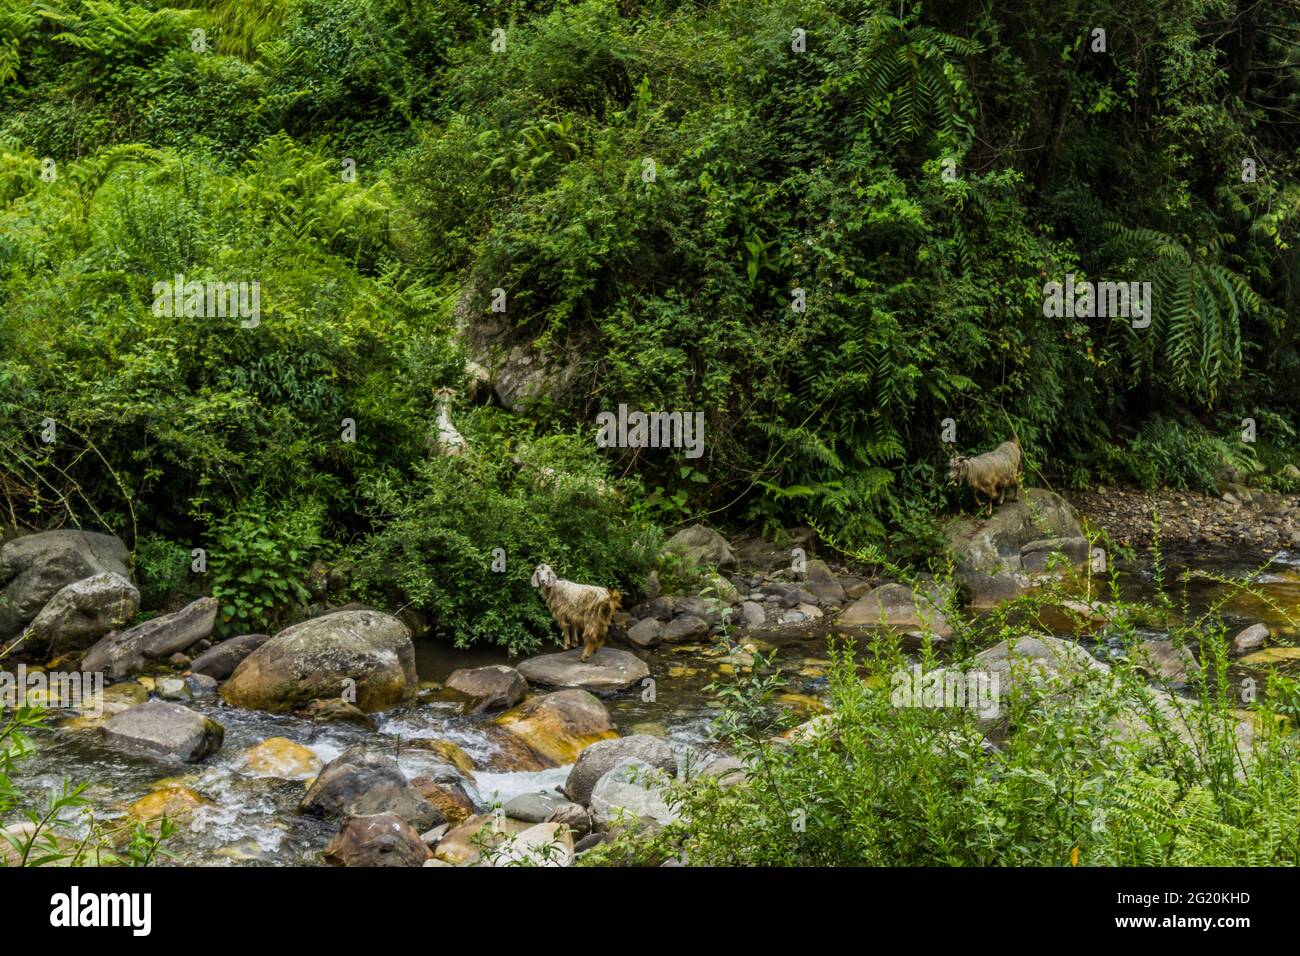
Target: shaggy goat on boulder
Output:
[
  {"x": 578, "y": 608},
  {"x": 991, "y": 473}
]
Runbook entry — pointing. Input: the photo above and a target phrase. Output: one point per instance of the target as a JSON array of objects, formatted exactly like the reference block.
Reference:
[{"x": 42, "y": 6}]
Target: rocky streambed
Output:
[{"x": 346, "y": 739}]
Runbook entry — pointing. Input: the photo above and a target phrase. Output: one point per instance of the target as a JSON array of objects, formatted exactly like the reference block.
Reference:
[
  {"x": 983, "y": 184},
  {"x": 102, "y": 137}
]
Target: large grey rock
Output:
[
  {"x": 600, "y": 758},
  {"x": 381, "y": 839},
  {"x": 365, "y": 652},
  {"x": 991, "y": 552},
  {"x": 822, "y": 583},
  {"x": 495, "y": 686},
  {"x": 645, "y": 633},
  {"x": 534, "y": 807},
  {"x": 128, "y": 652},
  {"x": 80, "y": 612},
  {"x": 159, "y": 729},
  {"x": 685, "y": 629},
  {"x": 359, "y": 782},
  {"x": 700, "y": 545},
  {"x": 631, "y": 792},
  {"x": 220, "y": 660},
  {"x": 753, "y": 614},
  {"x": 34, "y": 567},
  {"x": 607, "y": 671},
  {"x": 895, "y": 605}
]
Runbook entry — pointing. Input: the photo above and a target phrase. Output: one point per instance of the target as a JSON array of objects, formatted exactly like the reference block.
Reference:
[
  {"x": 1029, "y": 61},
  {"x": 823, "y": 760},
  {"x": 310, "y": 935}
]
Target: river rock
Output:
[
  {"x": 752, "y": 614},
  {"x": 607, "y": 671},
  {"x": 220, "y": 660},
  {"x": 35, "y": 567},
  {"x": 990, "y": 551},
  {"x": 461, "y": 844},
  {"x": 895, "y": 605},
  {"x": 716, "y": 586},
  {"x": 81, "y": 612},
  {"x": 701, "y": 546},
  {"x": 446, "y": 751},
  {"x": 381, "y": 839},
  {"x": 131, "y": 651},
  {"x": 630, "y": 792},
  {"x": 600, "y": 758},
  {"x": 488, "y": 688},
  {"x": 336, "y": 712},
  {"x": 555, "y": 728},
  {"x": 686, "y": 629},
  {"x": 822, "y": 583},
  {"x": 359, "y": 782},
  {"x": 368, "y": 651},
  {"x": 645, "y": 633},
  {"x": 543, "y": 844},
  {"x": 160, "y": 729},
  {"x": 281, "y": 758},
  {"x": 1251, "y": 639},
  {"x": 533, "y": 807},
  {"x": 1162, "y": 659},
  {"x": 449, "y": 796}
]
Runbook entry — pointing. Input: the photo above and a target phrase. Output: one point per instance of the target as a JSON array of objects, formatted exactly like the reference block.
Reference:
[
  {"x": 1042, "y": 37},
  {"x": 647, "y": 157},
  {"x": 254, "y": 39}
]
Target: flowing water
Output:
[{"x": 251, "y": 820}]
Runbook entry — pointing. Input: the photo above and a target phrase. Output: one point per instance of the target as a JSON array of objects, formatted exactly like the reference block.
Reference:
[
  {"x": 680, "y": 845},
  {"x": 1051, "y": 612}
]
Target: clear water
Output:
[{"x": 251, "y": 821}]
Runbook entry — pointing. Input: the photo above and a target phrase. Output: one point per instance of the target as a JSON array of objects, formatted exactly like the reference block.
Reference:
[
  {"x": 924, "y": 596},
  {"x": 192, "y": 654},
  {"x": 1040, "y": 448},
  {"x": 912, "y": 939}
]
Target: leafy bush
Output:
[
  {"x": 886, "y": 785},
  {"x": 258, "y": 563},
  {"x": 438, "y": 536}
]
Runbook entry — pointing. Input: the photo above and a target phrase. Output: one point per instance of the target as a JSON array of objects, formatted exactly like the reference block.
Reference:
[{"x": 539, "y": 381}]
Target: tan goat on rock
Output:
[
  {"x": 578, "y": 608},
  {"x": 991, "y": 473}
]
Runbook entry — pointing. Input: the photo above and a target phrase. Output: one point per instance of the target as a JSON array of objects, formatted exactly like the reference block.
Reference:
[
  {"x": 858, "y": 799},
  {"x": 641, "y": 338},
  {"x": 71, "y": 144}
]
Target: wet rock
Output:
[
  {"x": 630, "y": 793},
  {"x": 221, "y": 659},
  {"x": 557, "y": 727},
  {"x": 360, "y": 782},
  {"x": 445, "y": 750},
  {"x": 35, "y": 567},
  {"x": 336, "y": 712},
  {"x": 685, "y": 630},
  {"x": 450, "y": 797},
  {"x": 1251, "y": 639},
  {"x": 172, "y": 688},
  {"x": 201, "y": 685},
  {"x": 376, "y": 840},
  {"x": 607, "y": 671},
  {"x": 645, "y": 633},
  {"x": 132, "y": 651},
  {"x": 160, "y": 729},
  {"x": 281, "y": 758},
  {"x": 598, "y": 759},
  {"x": 701, "y": 546},
  {"x": 175, "y": 803},
  {"x": 366, "y": 652},
  {"x": 488, "y": 688}
]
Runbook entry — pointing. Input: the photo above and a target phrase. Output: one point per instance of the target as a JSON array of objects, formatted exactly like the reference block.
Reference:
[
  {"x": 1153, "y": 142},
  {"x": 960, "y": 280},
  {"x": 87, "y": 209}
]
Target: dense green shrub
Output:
[{"x": 439, "y": 535}]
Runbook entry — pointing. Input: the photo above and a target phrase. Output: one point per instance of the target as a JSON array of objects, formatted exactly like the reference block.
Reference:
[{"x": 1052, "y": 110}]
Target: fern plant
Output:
[
  {"x": 908, "y": 76},
  {"x": 1198, "y": 304}
]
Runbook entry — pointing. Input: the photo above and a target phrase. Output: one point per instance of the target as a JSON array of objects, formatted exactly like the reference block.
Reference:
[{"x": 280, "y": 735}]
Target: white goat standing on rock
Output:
[{"x": 584, "y": 609}]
